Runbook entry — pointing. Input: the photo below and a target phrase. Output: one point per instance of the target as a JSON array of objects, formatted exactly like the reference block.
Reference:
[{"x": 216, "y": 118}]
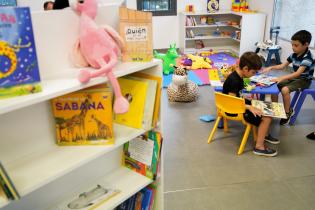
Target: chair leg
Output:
[
  {"x": 294, "y": 99},
  {"x": 214, "y": 129},
  {"x": 244, "y": 140},
  {"x": 225, "y": 125},
  {"x": 255, "y": 133},
  {"x": 297, "y": 108}
]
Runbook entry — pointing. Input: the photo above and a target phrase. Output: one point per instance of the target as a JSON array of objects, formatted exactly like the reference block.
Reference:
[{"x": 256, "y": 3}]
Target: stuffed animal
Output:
[
  {"x": 181, "y": 89},
  {"x": 199, "y": 62},
  {"x": 99, "y": 48},
  {"x": 168, "y": 59}
]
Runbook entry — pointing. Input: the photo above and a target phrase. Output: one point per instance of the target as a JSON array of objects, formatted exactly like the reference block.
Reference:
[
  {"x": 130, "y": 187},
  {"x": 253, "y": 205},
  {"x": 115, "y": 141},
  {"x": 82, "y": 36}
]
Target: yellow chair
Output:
[{"x": 236, "y": 106}]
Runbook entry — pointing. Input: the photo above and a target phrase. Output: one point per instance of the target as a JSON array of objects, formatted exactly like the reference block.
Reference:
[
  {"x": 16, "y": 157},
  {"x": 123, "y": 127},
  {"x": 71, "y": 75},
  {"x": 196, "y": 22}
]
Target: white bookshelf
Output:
[
  {"x": 251, "y": 26},
  {"x": 45, "y": 174}
]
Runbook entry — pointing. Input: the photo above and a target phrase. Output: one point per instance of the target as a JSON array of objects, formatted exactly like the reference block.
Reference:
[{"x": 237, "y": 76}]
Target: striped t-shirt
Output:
[{"x": 307, "y": 60}]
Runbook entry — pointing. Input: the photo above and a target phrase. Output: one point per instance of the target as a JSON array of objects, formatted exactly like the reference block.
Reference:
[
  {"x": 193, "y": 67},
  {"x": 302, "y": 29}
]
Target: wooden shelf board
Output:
[{"x": 57, "y": 87}]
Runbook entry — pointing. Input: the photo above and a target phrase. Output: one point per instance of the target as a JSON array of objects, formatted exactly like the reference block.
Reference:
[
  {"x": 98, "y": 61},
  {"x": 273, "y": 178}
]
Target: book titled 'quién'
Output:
[
  {"x": 19, "y": 72},
  {"x": 84, "y": 117}
]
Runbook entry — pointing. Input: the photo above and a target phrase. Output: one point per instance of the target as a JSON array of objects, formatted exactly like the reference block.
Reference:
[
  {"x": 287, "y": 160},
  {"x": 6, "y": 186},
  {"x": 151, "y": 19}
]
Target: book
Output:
[
  {"x": 135, "y": 92},
  {"x": 142, "y": 154},
  {"x": 7, "y": 185},
  {"x": 91, "y": 199},
  {"x": 19, "y": 71},
  {"x": 157, "y": 94},
  {"x": 84, "y": 117},
  {"x": 149, "y": 101},
  {"x": 270, "y": 109},
  {"x": 135, "y": 28},
  {"x": 262, "y": 79}
]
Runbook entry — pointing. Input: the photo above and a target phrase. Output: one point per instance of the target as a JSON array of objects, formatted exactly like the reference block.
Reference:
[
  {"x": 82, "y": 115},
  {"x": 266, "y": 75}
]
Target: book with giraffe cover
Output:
[
  {"x": 19, "y": 71},
  {"x": 84, "y": 117}
]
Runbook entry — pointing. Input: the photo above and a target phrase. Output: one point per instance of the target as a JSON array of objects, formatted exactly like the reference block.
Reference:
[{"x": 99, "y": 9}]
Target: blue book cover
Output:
[
  {"x": 10, "y": 3},
  {"x": 147, "y": 198},
  {"x": 19, "y": 72}
]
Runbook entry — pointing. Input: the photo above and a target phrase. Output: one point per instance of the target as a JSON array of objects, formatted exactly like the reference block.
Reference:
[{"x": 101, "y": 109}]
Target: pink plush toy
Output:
[{"x": 99, "y": 48}]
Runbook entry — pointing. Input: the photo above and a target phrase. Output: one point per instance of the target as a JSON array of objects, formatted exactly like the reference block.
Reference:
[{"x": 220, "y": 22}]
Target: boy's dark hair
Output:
[
  {"x": 251, "y": 60},
  {"x": 302, "y": 36},
  {"x": 46, "y": 4}
]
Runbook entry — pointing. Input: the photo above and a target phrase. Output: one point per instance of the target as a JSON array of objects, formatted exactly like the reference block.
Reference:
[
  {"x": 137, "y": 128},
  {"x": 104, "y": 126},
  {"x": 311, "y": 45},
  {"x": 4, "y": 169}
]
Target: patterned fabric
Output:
[{"x": 307, "y": 60}]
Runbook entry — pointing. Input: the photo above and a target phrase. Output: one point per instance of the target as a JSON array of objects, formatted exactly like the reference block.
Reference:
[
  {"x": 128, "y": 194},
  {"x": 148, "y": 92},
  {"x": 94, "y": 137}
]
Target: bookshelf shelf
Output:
[
  {"x": 57, "y": 87},
  {"x": 57, "y": 161},
  {"x": 250, "y": 25},
  {"x": 43, "y": 172},
  {"x": 208, "y": 37},
  {"x": 3, "y": 202},
  {"x": 129, "y": 182}
]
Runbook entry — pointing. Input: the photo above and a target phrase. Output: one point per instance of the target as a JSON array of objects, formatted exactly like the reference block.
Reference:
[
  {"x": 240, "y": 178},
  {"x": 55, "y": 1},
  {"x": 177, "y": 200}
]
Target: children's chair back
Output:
[{"x": 229, "y": 104}]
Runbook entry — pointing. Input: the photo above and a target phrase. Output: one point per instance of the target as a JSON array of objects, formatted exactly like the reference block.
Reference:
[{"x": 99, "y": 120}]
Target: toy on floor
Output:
[
  {"x": 226, "y": 70},
  {"x": 207, "y": 118},
  {"x": 99, "y": 48},
  {"x": 168, "y": 59},
  {"x": 199, "y": 62},
  {"x": 181, "y": 89}
]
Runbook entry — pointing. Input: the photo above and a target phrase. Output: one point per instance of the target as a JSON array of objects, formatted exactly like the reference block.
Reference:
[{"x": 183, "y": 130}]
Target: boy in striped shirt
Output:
[{"x": 303, "y": 66}]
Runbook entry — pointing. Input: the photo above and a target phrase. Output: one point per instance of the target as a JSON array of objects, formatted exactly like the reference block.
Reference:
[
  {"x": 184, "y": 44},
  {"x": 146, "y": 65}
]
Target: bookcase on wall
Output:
[
  {"x": 226, "y": 30},
  {"x": 44, "y": 173}
]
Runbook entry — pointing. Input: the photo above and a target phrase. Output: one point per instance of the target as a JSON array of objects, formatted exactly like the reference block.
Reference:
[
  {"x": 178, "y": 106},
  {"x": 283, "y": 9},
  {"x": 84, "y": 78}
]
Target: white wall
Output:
[{"x": 265, "y": 6}]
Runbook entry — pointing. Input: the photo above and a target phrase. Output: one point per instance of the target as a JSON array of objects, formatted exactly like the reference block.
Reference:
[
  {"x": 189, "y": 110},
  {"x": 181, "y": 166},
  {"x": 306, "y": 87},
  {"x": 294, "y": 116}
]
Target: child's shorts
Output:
[
  {"x": 250, "y": 118},
  {"x": 295, "y": 84}
]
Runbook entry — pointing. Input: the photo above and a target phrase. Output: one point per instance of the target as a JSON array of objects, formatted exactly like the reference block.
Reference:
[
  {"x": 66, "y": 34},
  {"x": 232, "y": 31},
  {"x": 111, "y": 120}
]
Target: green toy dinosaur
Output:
[{"x": 168, "y": 59}]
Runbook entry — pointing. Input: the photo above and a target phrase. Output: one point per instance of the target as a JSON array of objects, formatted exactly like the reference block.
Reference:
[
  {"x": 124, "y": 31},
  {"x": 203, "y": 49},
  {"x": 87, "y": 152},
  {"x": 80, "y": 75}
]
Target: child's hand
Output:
[
  {"x": 277, "y": 80},
  {"x": 266, "y": 70},
  {"x": 255, "y": 111}
]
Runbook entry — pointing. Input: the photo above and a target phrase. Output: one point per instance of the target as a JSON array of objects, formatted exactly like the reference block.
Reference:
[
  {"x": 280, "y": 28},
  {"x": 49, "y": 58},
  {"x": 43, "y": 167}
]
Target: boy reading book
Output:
[
  {"x": 303, "y": 66},
  {"x": 249, "y": 64}
]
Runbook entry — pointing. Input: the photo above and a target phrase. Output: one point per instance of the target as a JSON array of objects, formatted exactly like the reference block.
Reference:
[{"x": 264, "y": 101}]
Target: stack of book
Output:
[
  {"x": 144, "y": 199},
  {"x": 143, "y": 93}
]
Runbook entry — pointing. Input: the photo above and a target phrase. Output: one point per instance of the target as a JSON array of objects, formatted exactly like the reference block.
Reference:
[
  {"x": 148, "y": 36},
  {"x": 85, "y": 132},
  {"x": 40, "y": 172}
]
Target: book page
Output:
[
  {"x": 262, "y": 79},
  {"x": 271, "y": 109},
  {"x": 141, "y": 150}
]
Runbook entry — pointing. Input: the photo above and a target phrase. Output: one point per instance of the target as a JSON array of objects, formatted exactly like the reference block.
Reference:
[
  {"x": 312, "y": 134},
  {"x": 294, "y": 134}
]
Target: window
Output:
[
  {"x": 293, "y": 16},
  {"x": 158, "y": 7}
]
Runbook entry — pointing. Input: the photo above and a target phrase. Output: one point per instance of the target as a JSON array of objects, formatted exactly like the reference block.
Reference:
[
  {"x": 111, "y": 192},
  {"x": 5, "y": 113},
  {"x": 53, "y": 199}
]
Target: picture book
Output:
[
  {"x": 271, "y": 109},
  {"x": 135, "y": 28},
  {"x": 84, "y": 117},
  {"x": 10, "y": 3},
  {"x": 19, "y": 72},
  {"x": 158, "y": 79},
  {"x": 7, "y": 185},
  {"x": 262, "y": 79},
  {"x": 135, "y": 92},
  {"x": 149, "y": 101},
  {"x": 142, "y": 154},
  {"x": 91, "y": 199}
]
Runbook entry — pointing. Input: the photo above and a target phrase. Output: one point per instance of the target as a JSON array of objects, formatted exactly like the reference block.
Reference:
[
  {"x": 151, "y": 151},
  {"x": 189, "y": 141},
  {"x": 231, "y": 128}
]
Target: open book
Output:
[
  {"x": 262, "y": 79},
  {"x": 271, "y": 109}
]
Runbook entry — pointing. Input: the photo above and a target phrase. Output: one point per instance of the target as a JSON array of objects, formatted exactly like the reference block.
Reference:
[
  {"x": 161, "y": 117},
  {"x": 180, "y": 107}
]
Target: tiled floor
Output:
[{"x": 205, "y": 176}]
